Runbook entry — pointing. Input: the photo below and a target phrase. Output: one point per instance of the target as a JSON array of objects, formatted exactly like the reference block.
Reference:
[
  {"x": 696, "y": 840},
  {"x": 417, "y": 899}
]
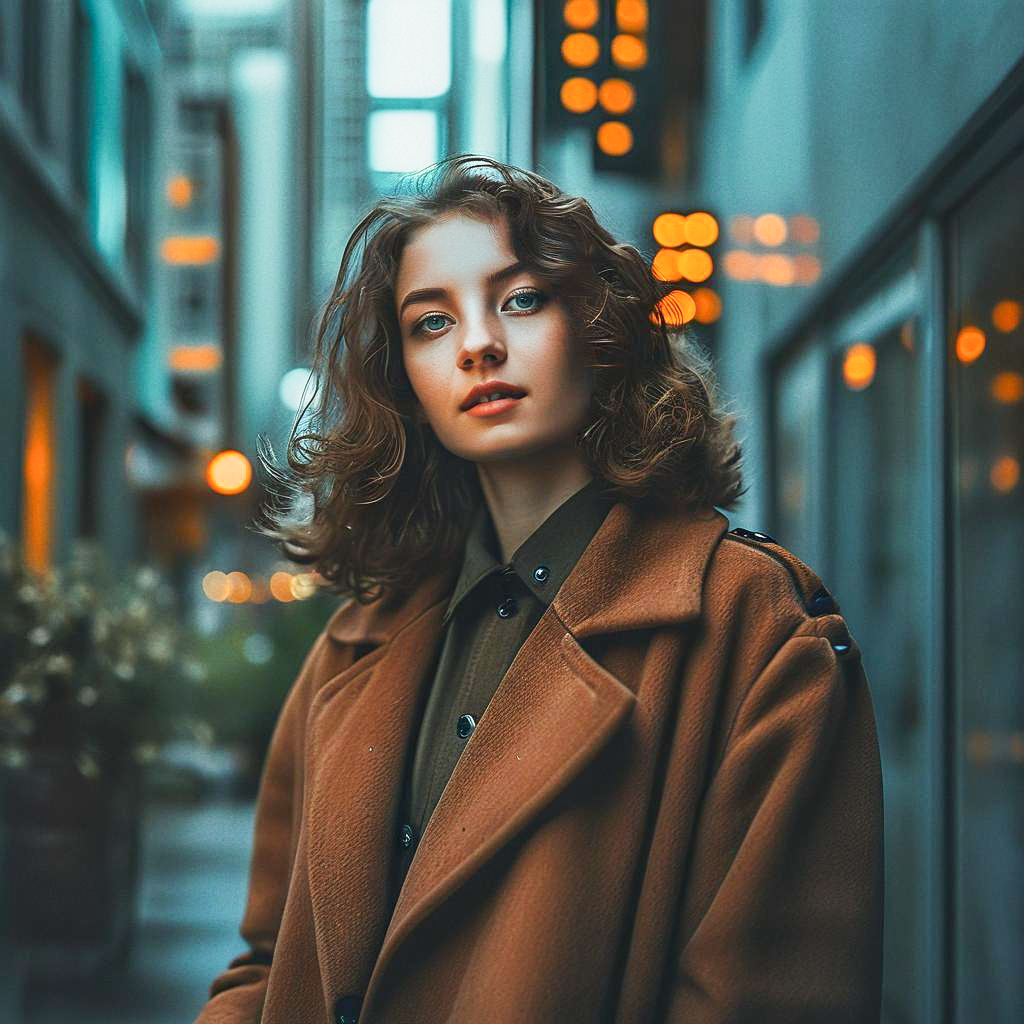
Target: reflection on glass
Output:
[{"x": 987, "y": 369}]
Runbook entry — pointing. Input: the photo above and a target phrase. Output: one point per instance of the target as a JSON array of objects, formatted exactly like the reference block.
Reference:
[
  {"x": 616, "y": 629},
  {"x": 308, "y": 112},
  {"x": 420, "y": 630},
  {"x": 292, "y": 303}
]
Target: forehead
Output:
[{"x": 453, "y": 247}]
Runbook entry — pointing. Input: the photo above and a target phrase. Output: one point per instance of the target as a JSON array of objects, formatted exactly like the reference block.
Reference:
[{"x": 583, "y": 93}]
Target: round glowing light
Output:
[
  {"x": 281, "y": 586},
  {"x": 970, "y": 343},
  {"x": 740, "y": 265},
  {"x": 677, "y": 308},
  {"x": 581, "y": 14},
  {"x": 303, "y": 585},
  {"x": 1005, "y": 474},
  {"x": 669, "y": 229},
  {"x": 229, "y": 472},
  {"x": 578, "y": 95},
  {"x": 777, "y": 269},
  {"x": 292, "y": 388},
  {"x": 614, "y": 138},
  {"x": 1008, "y": 387},
  {"x": 1006, "y": 316},
  {"x": 617, "y": 96},
  {"x": 709, "y": 305},
  {"x": 629, "y": 52},
  {"x": 216, "y": 586},
  {"x": 665, "y": 265},
  {"x": 580, "y": 49},
  {"x": 240, "y": 587},
  {"x": 770, "y": 229},
  {"x": 859, "y": 364},
  {"x": 179, "y": 190},
  {"x": 806, "y": 268},
  {"x": 804, "y": 230},
  {"x": 631, "y": 15},
  {"x": 701, "y": 229},
  {"x": 695, "y": 264}
]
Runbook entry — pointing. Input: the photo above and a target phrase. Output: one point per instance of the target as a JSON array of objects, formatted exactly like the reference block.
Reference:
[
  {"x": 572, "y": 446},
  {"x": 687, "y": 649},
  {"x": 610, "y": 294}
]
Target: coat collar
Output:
[{"x": 551, "y": 714}]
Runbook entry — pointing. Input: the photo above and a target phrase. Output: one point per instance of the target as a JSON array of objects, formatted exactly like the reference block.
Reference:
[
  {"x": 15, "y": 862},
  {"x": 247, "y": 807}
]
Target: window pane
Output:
[
  {"x": 987, "y": 370},
  {"x": 402, "y": 140},
  {"x": 880, "y": 579},
  {"x": 408, "y": 48}
]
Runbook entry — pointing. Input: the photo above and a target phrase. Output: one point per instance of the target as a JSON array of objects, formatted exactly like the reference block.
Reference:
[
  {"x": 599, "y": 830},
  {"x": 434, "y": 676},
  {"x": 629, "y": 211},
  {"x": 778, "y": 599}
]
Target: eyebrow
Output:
[{"x": 426, "y": 294}]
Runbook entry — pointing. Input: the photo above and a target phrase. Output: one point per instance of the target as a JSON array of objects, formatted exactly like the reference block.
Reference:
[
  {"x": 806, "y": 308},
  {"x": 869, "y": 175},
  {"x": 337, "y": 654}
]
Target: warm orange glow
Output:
[
  {"x": 665, "y": 265},
  {"x": 701, "y": 229},
  {"x": 709, "y": 305},
  {"x": 617, "y": 96},
  {"x": 631, "y": 15},
  {"x": 1006, "y": 316},
  {"x": 859, "y": 366},
  {"x": 907, "y": 335},
  {"x": 1005, "y": 474},
  {"x": 669, "y": 229},
  {"x": 740, "y": 265},
  {"x": 216, "y": 586},
  {"x": 260, "y": 591},
  {"x": 38, "y": 469},
  {"x": 581, "y": 14},
  {"x": 580, "y": 49},
  {"x": 190, "y": 250},
  {"x": 1007, "y": 387},
  {"x": 770, "y": 229},
  {"x": 695, "y": 264},
  {"x": 614, "y": 138},
  {"x": 179, "y": 190},
  {"x": 194, "y": 358},
  {"x": 677, "y": 308},
  {"x": 578, "y": 95},
  {"x": 970, "y": 343},
  {"x": 806, "y": 268},
  {"x": 281, "y": 586},
  {"x": 239, "y": 587},
  {"x": 741, "y": 226},
  {"x": 804, "y": 229},
  {"x": 303, "y": 585},
  {"x": 629, "y": 53},
  {"x": 229, "y": 472},
  {"x": 777, "y": 269}
]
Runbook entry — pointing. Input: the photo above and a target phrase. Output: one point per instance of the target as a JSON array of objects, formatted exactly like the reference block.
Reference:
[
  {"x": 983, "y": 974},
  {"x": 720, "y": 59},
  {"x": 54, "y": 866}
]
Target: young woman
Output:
[{"x": 573, "y": 750}]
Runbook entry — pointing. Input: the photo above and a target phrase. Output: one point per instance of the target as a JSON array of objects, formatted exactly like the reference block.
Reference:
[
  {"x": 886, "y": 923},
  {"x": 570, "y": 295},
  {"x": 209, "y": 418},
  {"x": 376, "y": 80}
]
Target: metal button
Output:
[
  {"x": 465, "y": 725},
  {"x": 507, "y": 608},
  {"x": 541, "y": 573},
  {"x": 406, "y": 837},
  {"x": 821, "y": 602}
]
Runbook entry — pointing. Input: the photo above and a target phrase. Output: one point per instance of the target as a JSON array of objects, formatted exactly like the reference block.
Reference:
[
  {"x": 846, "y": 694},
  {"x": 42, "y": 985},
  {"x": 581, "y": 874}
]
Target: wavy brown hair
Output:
[{"x": 385, "y": 502}]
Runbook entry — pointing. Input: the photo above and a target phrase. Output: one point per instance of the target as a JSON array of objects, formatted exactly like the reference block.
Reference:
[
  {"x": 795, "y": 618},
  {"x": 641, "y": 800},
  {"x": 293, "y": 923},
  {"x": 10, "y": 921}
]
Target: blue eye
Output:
[
  {"x": 425, "y": 323},
  {"x": 533, "y": 297}
]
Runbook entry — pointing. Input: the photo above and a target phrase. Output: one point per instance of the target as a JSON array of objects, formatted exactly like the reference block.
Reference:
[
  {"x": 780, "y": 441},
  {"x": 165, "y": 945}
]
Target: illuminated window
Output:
[
  {"x": 39, "y": 481},
  {"x": 403, "y": 140},
  {"x": 408, "y": 48}
]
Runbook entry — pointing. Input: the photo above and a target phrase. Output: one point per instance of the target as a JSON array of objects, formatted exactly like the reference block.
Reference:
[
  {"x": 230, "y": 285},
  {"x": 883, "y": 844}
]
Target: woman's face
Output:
[{"x": 470, "y": 315}]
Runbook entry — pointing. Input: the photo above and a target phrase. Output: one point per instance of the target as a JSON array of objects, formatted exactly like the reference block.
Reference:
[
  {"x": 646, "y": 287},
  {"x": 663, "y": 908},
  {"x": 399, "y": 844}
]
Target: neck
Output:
[{"x": 522, "y": 494}]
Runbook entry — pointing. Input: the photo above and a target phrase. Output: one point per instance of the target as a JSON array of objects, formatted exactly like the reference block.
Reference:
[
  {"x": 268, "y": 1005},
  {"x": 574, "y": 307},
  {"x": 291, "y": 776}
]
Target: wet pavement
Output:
[{"x": 194, "y": 872}]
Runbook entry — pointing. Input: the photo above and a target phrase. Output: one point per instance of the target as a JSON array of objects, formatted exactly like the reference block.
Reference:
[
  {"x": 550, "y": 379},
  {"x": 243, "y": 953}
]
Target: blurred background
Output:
[{"x": 837, "y": 188}]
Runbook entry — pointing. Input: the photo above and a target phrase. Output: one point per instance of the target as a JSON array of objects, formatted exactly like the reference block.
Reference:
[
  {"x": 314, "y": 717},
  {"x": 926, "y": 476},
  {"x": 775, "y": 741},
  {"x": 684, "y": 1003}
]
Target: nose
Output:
[{"x": 482, "y": 342}]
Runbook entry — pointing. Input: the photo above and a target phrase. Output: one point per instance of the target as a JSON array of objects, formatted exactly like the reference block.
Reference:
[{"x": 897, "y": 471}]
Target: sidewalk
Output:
[{"x": 194, "y": 873}]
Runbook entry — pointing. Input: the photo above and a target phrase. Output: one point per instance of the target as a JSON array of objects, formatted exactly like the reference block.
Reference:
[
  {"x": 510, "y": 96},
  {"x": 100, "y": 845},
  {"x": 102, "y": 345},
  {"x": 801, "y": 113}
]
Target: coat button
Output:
[
  {"x": 346, "y": 1009},
  {"x": 821, "y": 602},
  {"x": 406, "y": 837},
  {"x": 507, "y": 608},
  {"x": 541, "y": 573},
  {"x": 465, "y": 725}
]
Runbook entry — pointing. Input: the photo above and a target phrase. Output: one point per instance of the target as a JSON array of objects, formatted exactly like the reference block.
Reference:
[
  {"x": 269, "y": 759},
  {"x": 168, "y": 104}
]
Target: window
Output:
[
  {"x": 136, "y": 127},
  {"x": 39, "y": 482},
  {"x": 33, "y": 66},
  {"x": 986, "y": 360},
  {"x": 81, "y": 94},
  {"x": 91, "y": 416}
]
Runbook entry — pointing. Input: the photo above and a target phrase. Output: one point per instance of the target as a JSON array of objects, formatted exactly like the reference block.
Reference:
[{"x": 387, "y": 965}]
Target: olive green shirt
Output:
[{"x": 492, "y": 610}]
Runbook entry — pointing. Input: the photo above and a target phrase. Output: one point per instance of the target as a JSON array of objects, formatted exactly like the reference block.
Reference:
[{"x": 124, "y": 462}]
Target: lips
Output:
[{"x": 488, "y": 391}]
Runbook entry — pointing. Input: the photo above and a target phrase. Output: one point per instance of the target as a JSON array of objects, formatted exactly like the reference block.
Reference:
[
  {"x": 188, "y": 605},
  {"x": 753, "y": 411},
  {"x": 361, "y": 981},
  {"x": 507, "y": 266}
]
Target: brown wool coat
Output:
[{"x": 671, "y": 810}]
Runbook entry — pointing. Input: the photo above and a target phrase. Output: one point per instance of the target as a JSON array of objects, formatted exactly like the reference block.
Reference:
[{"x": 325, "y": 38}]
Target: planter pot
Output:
[{"x": 71, "y": 864}]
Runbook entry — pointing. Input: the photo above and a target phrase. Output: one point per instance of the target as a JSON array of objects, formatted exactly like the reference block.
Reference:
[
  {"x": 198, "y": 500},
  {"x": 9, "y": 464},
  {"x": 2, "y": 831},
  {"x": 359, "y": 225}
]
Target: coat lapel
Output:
[{"x": 551, "y": 714}]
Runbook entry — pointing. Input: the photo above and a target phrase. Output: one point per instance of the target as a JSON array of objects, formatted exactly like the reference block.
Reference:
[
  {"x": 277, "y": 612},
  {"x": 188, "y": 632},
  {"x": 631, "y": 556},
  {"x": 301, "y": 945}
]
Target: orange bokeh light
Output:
[
  {"x": 701, "y": 229},
  {"x": 631, "y": 15},
  {"x": 740, "y": 265},
  {"x": 229, "y": 472},
  {"x": 665, "y": 265},
  {"x": 617, "y": 96},
  {"x": 805, "y": 230},
  {"x": 580, "y": 49},
  {"x": 677, "y": 308},
  {"x": 859, "y": 366},
  {"x": 581, "y": 14},
  {"x": 239, "y": 587},
  {"x": 1005, "y": 474},
  {"x": 179, "y": 190},
  {"x": 1006, "y": 316},
  {"x": 970, "y": 343},
  {"x": 281, "y": 586},
  {"x": 614, "y": 138},
  {"x": 216, "y": 586},
  {"x": 709, "y": 305},
  {"x": 189, "y": 250},
  {"x": 194, "y": 358},
  {"x": 629, "y": 52},
  {"x": 806, "y": 268},
  {"x": 777, "y": 269},
  {"x": 769, "y": 229},
  {"x": 669, "y": 229},
  {"x": 1008, "y": 387},
  {"x": 578, "y": 95},
  {"x": 695, "y": 265}
]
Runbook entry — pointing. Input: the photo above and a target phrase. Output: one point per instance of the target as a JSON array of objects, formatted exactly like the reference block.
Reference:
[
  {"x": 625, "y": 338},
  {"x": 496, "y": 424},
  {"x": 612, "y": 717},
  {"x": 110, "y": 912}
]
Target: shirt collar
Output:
[{"x": 546, "y": 557}]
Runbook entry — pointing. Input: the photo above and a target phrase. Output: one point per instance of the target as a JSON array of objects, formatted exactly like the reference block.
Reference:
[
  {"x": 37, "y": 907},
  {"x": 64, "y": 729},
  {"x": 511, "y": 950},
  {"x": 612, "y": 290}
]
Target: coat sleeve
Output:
[
  {"x": 782, "y": 910},
  {"x": 236, "y": 995}
]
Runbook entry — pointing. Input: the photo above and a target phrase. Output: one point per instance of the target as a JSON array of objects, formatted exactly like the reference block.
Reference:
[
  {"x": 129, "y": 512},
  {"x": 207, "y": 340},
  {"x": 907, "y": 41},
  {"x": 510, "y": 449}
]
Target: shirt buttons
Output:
[
  {"x": 465, "y": 725},
  {"x": 541, "y": 573},
  {"x": 406, "y": 837},
  {"x": 507, "y": 608}
]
